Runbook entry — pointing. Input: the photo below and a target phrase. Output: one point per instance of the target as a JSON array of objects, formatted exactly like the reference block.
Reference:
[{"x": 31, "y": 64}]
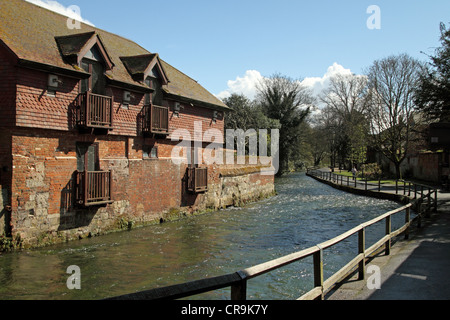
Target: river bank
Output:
[{"x": 303, "y": 213}]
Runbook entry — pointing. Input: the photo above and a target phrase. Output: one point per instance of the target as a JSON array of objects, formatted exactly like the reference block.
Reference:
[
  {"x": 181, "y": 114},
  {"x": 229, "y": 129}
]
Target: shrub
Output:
[{"x": 372, "y": 171}]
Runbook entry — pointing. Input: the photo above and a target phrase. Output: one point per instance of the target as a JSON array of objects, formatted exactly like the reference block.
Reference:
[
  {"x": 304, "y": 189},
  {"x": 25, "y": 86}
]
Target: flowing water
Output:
[{"x": 303, "y": 214}]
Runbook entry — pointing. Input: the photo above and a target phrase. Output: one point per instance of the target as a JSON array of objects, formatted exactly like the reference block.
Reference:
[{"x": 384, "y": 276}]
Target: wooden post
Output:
[
  {"x": 419, "y": 218},
  {"x": 435, "y": 201},
  {"x": 407, "y": 220},
  {"x": 85, "y": 185},
  {"x": 362, "y": 249},
  {"x": 318, "y": 270},
  {"x": 388, "y": 232},
  {"x": 404, "y": 187},
  {"x": 365, "y": 184},
  {"x": 239, "y": 291},
  {"x": 429, "y": 204},
  {"x": 396, "y": 186},
  {"x": 348, "y": 181},
  {"x": 379, "y": 184}
]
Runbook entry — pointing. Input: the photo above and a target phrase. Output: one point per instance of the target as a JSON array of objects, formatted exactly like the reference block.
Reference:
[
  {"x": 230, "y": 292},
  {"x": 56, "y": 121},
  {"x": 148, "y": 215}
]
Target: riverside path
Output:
[{"x": 416, "y": 269}]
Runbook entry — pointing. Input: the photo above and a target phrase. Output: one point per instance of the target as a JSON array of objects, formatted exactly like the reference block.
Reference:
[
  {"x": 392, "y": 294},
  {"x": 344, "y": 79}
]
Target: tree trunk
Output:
[{"x": 398, "y": 171}]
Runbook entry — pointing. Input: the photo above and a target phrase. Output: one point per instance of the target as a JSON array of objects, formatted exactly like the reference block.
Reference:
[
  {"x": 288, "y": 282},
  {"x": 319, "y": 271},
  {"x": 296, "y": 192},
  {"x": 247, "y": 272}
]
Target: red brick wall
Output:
[
  {"x": 427, "y": 167},
  {"x": 44, "y": 163}
]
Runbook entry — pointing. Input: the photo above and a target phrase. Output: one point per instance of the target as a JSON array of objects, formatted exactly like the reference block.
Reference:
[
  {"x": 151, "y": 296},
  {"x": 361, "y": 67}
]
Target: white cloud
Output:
[
  {"x": 318, "y": 84},
  {"x": 247, "y": 84},
  {"x": 72, "y": 12}
]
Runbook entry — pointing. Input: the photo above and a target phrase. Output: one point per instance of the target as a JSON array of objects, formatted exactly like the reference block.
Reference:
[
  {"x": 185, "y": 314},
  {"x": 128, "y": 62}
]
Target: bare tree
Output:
[
  {"x": 346, "y": 95},
  {"x": 346, "y": 100},
  {"x": 392, "y": 82}
]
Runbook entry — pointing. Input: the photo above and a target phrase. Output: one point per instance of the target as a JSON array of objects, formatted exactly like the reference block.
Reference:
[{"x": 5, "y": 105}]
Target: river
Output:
[{"x": 304, "y": 213}]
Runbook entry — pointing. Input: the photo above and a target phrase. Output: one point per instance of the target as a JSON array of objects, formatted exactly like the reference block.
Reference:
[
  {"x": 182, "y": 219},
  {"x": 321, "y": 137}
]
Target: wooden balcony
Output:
[
  {"x": 94, "y": 111},
  {"x": 197, "y": 179},
  {"x": 156, "y": 119},
  {"x": 93, "y": 188}
]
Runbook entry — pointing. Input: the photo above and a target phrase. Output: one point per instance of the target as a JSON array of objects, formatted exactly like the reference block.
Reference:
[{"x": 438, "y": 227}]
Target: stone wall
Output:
[
  {"x": 144, "y": 190},
  {"x": 4, "y": 214}
]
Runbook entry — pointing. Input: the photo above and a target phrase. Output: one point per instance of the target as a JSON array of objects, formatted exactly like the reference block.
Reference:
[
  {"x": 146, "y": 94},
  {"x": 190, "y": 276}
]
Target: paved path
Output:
[{"x": 417, "y": 269}]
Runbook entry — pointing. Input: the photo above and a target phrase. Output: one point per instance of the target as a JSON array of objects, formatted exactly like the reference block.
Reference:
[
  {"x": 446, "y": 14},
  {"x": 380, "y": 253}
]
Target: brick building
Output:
[{"x": 88, "y": 119}]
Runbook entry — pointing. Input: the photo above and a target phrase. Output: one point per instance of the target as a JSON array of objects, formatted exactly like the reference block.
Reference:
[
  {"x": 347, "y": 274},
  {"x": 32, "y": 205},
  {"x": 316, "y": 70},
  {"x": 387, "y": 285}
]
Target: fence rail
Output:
[
  {"x": 401, "y": 187},
  {"x": 238, "y": 281}
]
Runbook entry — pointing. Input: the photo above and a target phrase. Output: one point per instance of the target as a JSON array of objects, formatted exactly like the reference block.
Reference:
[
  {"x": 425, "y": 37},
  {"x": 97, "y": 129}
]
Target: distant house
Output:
[
  {"x": 428, "y": 155},
  {"x": 87, "y": 121}
]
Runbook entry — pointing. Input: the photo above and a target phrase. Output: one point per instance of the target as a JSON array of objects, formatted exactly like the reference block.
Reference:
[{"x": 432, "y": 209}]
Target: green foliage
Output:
[
  {"x": 433, "y": 92},
  {"x": 286, "y": 100},
  {"x": 9, "y": 243},
  {"x": 372, "y": 171}
]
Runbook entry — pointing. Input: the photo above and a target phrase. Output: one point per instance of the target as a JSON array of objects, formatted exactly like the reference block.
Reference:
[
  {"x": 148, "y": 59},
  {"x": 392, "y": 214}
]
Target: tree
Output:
[
  {"x": 346, "y": 101},
  {"x": 247, "y": 115},
  {"x": 288, "y": 101},
  {"x": 242, "y": 115},
  {"x": 317, "y": 139},
  {"x": 392, "y": 83},
  {"x": 433, "y": 91}
]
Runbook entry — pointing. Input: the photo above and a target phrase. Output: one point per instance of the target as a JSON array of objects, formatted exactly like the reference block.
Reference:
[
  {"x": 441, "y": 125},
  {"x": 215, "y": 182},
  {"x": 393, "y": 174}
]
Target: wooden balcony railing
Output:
[
  {"x": 156, "y": 119},
  {"x": 197, "y": 179},
  {"x": 93, "y": 188},
  {"x": 94, "y": 111}
]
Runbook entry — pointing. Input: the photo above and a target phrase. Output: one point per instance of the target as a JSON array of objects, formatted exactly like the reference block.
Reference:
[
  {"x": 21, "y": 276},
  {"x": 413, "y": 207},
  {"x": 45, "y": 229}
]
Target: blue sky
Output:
[{"x": 227, "y": 45}]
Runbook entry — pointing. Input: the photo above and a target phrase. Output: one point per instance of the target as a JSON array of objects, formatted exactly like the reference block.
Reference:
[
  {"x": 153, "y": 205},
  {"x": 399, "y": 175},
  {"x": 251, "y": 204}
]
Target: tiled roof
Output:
[{"x": 29, "y": 32}]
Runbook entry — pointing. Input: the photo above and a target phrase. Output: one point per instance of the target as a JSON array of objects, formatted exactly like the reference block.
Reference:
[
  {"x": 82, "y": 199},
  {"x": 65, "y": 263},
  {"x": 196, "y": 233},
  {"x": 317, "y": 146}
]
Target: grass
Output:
[{"x": 345, "y": 173}]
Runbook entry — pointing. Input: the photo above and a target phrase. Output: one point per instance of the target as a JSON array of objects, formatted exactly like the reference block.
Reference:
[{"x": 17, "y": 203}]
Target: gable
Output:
[
  {"x": 75, "y": 47},
  {"x": 142, "y": 66}
]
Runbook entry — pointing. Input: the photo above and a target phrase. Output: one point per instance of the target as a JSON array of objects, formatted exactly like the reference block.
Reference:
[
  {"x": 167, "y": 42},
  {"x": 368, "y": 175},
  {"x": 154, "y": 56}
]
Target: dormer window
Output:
[
  {"x": 75, "y": 48},
  {"x": 86, "y": 50},
  {"x": 144, "y": 66},
  {"x": 157, "y": 95},
  {"x": 93, "y": 64}
]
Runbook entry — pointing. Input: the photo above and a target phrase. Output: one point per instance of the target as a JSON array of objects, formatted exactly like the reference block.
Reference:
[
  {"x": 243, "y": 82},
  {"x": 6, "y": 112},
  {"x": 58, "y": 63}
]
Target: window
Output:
[
  {"x": 150, "y": 152},
  {"x": 157, "y": 94},
  {"x": 92, "y": 187},
  {"x": 87, "y": 157},
  {"x": 96, "y": 83},
  {"x": 148, "y": 82}
]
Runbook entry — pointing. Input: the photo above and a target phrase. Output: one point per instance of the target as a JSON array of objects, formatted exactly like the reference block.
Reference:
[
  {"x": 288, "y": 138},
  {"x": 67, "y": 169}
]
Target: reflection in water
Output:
[{"x": 304, "y": 213}]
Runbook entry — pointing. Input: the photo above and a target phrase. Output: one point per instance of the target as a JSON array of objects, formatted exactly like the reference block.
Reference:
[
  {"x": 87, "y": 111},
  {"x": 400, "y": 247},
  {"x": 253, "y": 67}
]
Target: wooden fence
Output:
[{"x": 401, "y": 187}]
